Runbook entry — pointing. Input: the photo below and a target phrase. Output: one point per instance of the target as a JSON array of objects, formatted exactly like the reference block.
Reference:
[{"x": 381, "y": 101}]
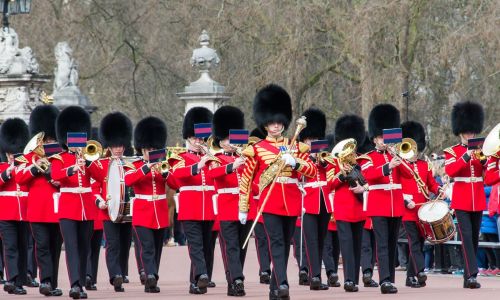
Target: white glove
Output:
[
  {"x": 411, "y": 205},
  {"x": 289, "y": 160},
  {"x": 242, "y": 216},
  {"x": 102, "y": 204}
]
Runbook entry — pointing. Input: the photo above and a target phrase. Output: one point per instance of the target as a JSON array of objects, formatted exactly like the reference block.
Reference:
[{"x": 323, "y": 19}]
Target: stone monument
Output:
[
  {"x": 66, "y": 91},
  {"x": 205, "y": 91}
]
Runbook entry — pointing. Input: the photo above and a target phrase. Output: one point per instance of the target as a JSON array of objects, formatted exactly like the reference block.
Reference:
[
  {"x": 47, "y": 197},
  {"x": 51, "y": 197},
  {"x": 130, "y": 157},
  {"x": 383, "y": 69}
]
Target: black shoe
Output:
[
  {"x": 236, "y": 289},
  {"x": 75, "y": 292},
  {"x": 388, "y": 288},
  {"x": 193, "y": 289},
  {"x": 19, "y": 290},
  {"x": 274, "y": 295},
  {"x": 83, "y": 295},
  {"x": 56, "y": 293},
  {"x": 154, "y": 289},
  {"x": 117, "y": 282},
  {"x": 125, "y": 279},
  {"x": 142, "y": 277},
  {"x": 264, "y": 278},
  {"x": 350, "y": 286},
  {"x": 283, "y": 291},
  {"x": 412, "y": 282},
  {"x": 367, "y": 277},
  {"x": 372, "y": 283},
  {"x": 317, "y": 285},
  {"x": 151, "y": 281},
  {"x": 333, "y": 280},
  {"x": 303, "y": 277},
  {"x": 422, "y": 278},
  {"x": 89, "y": 285},
  {"x": 31, "y": 282},
  {"x": 211, "y": 284},
  {"x": 202, "y": 281},
  {"x": 9, "y": 287},
  {"x": 470, "y": 283},
  {"x": 45, "y": 288}
]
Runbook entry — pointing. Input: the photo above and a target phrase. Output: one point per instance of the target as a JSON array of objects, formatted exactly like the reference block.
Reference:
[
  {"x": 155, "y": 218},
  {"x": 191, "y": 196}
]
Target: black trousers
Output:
[
  {"x": 232, "y": 236},
  {"x": 416, "y": 261},
  {"x": 331, "y": 252},
  {"x": 48, "y": 241},
  {"x": 386, "y": 231},
  {"x": 151, "y": 246},
  {"x": 279, "y": 231},
  {"x": 350, "y": 236},
  {"x": 118, "y": 239},
  {"x": 15, "y": 249},
  {"x": 211, "y": 254},
  {"x": 469, "y": 224},
  {"x": 315, "y": 228},
  {"x": 299, "y": 250},
  {"x": 262, "y": 247},
  {"x": 76, "y": 236},
  {"x": 32, "y": 263},
  {"x": 137, "y": 252},
  {"x": 493, "y": 255},
  {"x": 1, "y": 257},
  {"x": 368, "y": 256},
  {"x": 93, "y": 257},
  {"x": 200, "y": 241}
]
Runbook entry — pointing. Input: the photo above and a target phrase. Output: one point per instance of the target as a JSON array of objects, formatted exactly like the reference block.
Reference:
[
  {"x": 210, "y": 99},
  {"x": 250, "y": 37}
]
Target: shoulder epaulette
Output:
[
  {"x": 249, "y": 151},
  {"x": 303, "y": 148},
  {"x": 129, "y": 165},
  {"x": 56, "y": 156},
  {"x": 364, "y": 156},
  {"x": 450, "y": 151},
  {"x": 21, "y": 159}
]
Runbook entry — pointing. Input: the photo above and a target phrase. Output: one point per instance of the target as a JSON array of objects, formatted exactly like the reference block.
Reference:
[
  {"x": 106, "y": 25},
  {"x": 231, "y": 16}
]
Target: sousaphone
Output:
[{"x": 491, "y": 144}]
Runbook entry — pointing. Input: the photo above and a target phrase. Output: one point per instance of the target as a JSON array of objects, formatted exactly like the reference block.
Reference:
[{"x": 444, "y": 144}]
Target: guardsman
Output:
[
  {"x": 466, "y": 168},
  {"x": 317, "y": 207},
  {"x": 75, "y": 205},
  {"x": 196, "y": 213},
  {"x": 348, "y": 203},
  {"x": 226, "y": 175},
  {"x": 272, "y": 111},
  {"x": 14, "y": 135},
  {"x": 115, "y": 133},
  {"x": 385, "y": 204},
  {"x": 41, "y": 212},
  {"x": 413, "y": 197},
  {"x": 150, "y": 210}
]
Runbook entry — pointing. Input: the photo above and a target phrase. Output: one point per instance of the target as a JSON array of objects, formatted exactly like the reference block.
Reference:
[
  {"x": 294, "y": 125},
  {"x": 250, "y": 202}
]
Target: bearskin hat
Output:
[
  {"x": 350, "y": 126},
  {"x": 316, "y": 125},
  {"x": 150, "y": 132},
  {"x": 226, "y": 118},
  {"x": 43, "y": 118},
  {"x": 195, "y": 115},
  {"x": 72, "y": 119},
  {"x": 115, "y": 130},
  {"x": 367, "y": 145},
  {"x": 331, "y": 141},
  {"x": 415, "y": 131},
  {"x": 466, "y": 117},
  {"x": 256, "y": 132},
  {"x": 382, "y": 116},
  {"x": 14, "y": 135},
  {"x": 272, "y": 104}
]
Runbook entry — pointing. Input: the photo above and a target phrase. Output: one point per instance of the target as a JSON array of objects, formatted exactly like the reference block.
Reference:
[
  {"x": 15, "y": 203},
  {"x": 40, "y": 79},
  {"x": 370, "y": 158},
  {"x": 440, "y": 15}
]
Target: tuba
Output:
[
  {"x": 35, "y": 145},
  {"x": 93, "y": 151},
  {"x": 491, "y": 145},
  {"x": 345, "y": 153}
]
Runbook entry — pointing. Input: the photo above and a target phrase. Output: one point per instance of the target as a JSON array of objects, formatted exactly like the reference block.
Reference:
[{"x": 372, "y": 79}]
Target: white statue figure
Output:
[
  {"x": 204, "y": 58},
  {"x": 66, "y": 71},
  {"x": 12, "y": 59}
]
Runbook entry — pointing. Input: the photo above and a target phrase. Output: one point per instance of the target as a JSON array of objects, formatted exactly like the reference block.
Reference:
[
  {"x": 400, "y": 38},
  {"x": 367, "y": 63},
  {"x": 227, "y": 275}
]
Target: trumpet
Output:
[
  {"x": 205, "y": 147},
  {"x": 43, "y": 166},
  {"x": 407, "y": 149},
  {"x": 93, "y": 151},
  {"x": 479, "y": 155},
  {"x": 325, "y": 157},
  {"x": 162, "y": 166}
]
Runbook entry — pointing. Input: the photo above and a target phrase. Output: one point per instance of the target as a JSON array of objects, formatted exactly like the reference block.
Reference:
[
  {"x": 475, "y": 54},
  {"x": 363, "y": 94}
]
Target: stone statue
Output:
[
  {"x": 12, "y": 59},
  {"x": 204, "y": 58},
  {"x": 66, "y": 71}
]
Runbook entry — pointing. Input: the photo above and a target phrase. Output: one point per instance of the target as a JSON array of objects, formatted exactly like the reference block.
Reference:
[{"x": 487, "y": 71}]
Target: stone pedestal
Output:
[{"x": 71, "y": 95}]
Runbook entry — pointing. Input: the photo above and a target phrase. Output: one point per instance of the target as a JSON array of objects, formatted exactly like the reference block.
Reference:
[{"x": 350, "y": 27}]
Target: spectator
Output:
[{"x": 489, "y": 232}]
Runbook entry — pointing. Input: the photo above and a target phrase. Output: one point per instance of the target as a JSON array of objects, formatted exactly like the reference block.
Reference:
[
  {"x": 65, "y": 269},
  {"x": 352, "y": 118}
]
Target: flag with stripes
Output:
[
  {"x": 77, "y": 139},
  {"x": 318, "y": 146},
  {"x": 475, "y": 143},
  {"x": 202, "y": 130},
  {"x": 157, "y": 155},
  {"x": 392, "y": 136},
  {"x": 238, "y": 136},
  {"x": 51, "y": 149}
]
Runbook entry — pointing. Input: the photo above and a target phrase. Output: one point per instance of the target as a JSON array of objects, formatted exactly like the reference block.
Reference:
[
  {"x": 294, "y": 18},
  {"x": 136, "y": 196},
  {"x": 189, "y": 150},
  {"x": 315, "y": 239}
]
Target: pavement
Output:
[{"x": 174, "y": 277}]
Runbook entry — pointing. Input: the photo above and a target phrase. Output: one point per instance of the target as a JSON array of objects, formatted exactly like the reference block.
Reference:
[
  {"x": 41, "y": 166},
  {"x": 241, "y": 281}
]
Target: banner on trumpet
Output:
[
  {"x": 475, "y": 143},
  {"x": 51, "y": 149},
  {"x": 392, "y": 135},
  {"x": 319, "y": 145},
  {"x": 238, "y": 136},
  {"x": 202, "y": 130},
  {"x": 157, "y": 155},
  {"x": 77, "y": 139}
]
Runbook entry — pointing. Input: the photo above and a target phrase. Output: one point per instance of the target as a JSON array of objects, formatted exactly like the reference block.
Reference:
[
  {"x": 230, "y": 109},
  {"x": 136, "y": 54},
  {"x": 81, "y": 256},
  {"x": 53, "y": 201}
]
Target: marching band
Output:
[{"x": 59, "y": 186}]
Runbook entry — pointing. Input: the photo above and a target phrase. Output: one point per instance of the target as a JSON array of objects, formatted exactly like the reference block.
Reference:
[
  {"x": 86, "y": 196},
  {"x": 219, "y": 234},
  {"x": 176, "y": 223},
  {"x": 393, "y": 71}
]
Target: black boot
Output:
[
  {"x": 125, "y": 279},
  {"x": 264, "y": 277},
  {"x": 412, "y": 282},
  {"x": 422, "y": 278},
  {"x": 9, "y": 287},
  {"x": 471, "y": 283},
  {"x": 56, "y": 293},
  {"x": 350, "y": 286},
  {"x": 193, "y": 289},
  {"x": 31, "y": 282},
  {"x": 333, "y": 280},
  {"x": 151, "y": 284},
  {"x": 89, "y": 284},
  {"x": 202, "y": 281},
  {"x": 387, "y": 288},
  {"x": 317, "y": 285},
  {"x": 236, "y": 289},
  {"x": 75, "y": 292},
  {"x": 45, "y": 288},
  {"x": 368, "y": 281},
  {"x": 142, "y": 277},
  {"x": 303, "y": 277},
  {"x": 117, "y": 282}
]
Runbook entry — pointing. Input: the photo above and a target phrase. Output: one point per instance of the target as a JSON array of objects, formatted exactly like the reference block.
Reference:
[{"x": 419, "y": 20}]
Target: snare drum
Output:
[
  {"x": 436, "y": 221},
  {"x": 119, "y": 209}
]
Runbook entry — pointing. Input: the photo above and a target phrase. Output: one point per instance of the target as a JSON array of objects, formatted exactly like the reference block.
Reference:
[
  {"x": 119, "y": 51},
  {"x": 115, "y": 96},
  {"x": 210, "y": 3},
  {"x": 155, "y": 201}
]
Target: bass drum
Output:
[
  {"x": 119, "y": 209},
  {"x": 436, "y": 221}
]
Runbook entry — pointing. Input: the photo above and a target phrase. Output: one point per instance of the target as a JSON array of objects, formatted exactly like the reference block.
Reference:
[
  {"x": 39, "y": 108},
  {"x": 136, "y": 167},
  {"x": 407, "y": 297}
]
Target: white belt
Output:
[
  {"x": 198, "y": 188},
  {"x": 387, "y": 187},
  {"x": 315, "y": 184},
  {"x": 77, "y": 190},
  {"x": 14, "y": 194},
  {"x": 150, "y": 197},
  {"x": 468, "y": 179},
  {"x": 228, "y": 191},
  {"x": 287, "y": 180}
]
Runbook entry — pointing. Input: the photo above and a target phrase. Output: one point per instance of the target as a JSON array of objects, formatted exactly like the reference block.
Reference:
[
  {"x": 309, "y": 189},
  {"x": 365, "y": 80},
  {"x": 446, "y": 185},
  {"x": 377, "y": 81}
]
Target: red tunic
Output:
[
  {"x": 411, "y": 191},
  {"x": 368, "y": 224},
  {"x": 96, "y": 191},
  {"x": 385, "y": 197},
  {"x": 195, "y": 186},
  {"x": 150, "y": 207},
  {"x": 315, "y": 187},
  {"x": 492, "y": 175},
  {"x": 76, "y": 201},
  {"x": 13, "y": 197},
  {"x": 468, "y": 187},
  {"x": 41, "y": 203}
]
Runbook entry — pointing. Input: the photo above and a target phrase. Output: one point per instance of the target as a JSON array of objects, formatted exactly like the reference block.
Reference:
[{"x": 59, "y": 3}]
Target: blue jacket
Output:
[{"x": 488, "y": 225}]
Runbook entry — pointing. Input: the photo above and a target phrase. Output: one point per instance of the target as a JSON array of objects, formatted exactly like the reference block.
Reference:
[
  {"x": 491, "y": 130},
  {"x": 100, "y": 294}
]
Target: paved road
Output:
[{"x": 175, "y": 269}]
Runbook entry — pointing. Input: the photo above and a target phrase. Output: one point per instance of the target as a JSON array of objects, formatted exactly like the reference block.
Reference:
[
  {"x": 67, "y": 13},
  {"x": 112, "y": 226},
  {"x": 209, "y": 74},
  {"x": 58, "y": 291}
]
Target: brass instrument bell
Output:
[
  {"x": 407, "y": 149},
  {"x": 491, "y": 145},
  {"x": 93, "y": 151}
]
